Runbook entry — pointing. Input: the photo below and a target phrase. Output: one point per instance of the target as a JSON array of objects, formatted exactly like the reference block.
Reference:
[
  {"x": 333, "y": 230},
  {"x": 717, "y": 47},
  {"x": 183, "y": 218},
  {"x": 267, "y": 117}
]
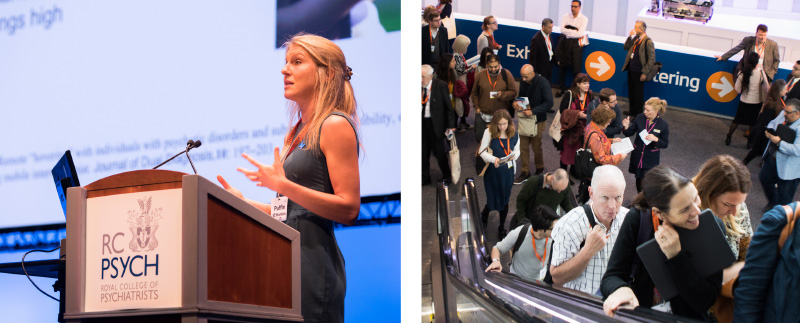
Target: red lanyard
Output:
[
  {"x": 294, "y": 143},
  {"x": 508, "y": 142},
  {"x": 490, "y": 79},
  {"x": 543, "y": 257}
]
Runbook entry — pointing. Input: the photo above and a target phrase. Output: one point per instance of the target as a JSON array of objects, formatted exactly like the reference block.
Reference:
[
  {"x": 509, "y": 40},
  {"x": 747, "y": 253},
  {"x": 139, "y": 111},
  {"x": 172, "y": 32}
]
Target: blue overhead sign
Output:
[{"x": 686, "y": 80}]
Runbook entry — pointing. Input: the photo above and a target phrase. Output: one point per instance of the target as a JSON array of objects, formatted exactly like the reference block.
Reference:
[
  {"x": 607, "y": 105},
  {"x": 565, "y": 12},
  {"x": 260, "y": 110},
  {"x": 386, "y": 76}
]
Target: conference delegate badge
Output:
[{"x": 279, "y": 208}]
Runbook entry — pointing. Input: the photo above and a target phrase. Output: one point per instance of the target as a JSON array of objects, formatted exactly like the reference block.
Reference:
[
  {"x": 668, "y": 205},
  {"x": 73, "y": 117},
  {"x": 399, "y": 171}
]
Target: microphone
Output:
[{"x": 189, "y": 145}]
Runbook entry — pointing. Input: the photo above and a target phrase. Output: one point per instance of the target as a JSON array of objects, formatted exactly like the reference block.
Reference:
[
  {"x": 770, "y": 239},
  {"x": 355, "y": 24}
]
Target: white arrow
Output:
[
  {"x": 602, "y": 67},
  {"x": 725, "y": 87}
]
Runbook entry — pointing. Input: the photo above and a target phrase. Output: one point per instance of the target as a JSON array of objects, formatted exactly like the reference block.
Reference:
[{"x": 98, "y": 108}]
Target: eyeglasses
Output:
[
  {"x": 789, "y": 112},
  {"x": 493, "y": 23}
]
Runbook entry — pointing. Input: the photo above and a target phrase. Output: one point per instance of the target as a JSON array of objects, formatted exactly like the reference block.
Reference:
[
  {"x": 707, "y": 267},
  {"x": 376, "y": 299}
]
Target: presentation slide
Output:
[{"x": 124, "y": 85}]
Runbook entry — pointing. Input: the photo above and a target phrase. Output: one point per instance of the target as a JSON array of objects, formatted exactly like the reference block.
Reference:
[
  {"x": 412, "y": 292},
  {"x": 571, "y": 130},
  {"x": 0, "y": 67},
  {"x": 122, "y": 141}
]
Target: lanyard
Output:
[
  {"x": 495, "y": 45},
  {"x": 655, "y": 222},
  {"x": 508, "y": 142},
  {"x": 794, "y": 81},
  {"x": 425, "y": 99},
  {"x": 543, "y": 257},
  {"x": 636, "y": 45},
  {"x": 583, "y": 103},
  {"x": 783, "y": 103},
  {"x": 760, "y": 50},
  {"x": 490, "y": 79},
  {"x": 653, "y": 125},
  {"x": 294, "y": 143},
  {"x": 430, "y": 33},
  {"x": 546, "y": 41}
]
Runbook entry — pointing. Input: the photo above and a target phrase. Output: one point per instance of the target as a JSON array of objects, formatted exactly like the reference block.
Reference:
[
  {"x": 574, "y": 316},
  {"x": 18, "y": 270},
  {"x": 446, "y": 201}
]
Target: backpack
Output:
[
  {"x": 589, "y": 216},
  {"x": 518, "y": 243}
]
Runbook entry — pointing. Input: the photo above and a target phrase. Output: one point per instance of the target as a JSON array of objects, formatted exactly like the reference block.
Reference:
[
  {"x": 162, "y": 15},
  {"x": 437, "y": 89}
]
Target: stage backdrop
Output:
[
  {"x": 692, "y": 81},
  {"x": 125, "y": 84}
]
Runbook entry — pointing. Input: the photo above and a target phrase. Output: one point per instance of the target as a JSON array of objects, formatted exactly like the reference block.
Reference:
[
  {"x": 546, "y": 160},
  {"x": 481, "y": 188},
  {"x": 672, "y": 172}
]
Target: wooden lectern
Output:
[{"x": 163, "y": 246}]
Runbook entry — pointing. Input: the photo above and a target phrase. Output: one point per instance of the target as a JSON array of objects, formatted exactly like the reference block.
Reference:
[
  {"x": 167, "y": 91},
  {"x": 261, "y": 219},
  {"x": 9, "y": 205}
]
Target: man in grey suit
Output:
[{"x": 767, "y": 50}]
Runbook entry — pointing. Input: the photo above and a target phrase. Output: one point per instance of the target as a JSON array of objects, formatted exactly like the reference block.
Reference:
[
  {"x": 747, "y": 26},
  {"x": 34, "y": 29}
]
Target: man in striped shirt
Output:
[{"x": 580, "y": 250}]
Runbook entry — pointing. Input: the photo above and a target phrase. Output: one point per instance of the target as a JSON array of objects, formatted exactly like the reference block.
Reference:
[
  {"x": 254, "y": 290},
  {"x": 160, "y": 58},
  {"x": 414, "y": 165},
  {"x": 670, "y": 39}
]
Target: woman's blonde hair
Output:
[
  {"x": 500, "y": 115},
  {"x": 720, "y": 175},
  {"x": 332, "y": 88},
  {"x": 658, "y": 104},
  {"x": 461, "y": 44}
]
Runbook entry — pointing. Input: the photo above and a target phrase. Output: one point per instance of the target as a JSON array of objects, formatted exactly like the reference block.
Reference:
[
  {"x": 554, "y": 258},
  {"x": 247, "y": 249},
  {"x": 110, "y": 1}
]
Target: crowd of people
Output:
[{"x": 588, "y": 242}]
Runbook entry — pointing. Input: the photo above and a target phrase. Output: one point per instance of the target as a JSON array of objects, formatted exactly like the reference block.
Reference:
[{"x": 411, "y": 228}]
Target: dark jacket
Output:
[
  {"x": 539, "y": 57},
  {"x": 442, "y": 114},
  {"x": 441, "y": 39},
  {"x": 650, "y": 155},
  {"x": 695, "y": 294},
  {"x": 768, "y": 284},
  {"x": 615, "y": 127},
  {"x": 528, "y": 198},
  {"x": 795, "y": 91},
  {"x": 771, "y": 56},
  {"x": 539, "y": 96},
  {"x": 446, "y": 11}
]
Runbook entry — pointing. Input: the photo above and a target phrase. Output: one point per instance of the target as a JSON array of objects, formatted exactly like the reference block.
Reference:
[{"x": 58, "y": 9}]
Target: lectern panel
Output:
[{"x": 247, "y": 262}]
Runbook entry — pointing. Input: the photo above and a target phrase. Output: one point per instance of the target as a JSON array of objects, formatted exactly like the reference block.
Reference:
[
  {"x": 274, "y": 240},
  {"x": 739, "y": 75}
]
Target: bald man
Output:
[
  {"x": 580, "y": 250},
  {"x": 531, "y": 120},
  {"x": 549, "y": 189}
]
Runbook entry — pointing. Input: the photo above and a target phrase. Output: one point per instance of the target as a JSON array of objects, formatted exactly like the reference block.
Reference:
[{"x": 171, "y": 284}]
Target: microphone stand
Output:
[{"x": 173, "y": 157}]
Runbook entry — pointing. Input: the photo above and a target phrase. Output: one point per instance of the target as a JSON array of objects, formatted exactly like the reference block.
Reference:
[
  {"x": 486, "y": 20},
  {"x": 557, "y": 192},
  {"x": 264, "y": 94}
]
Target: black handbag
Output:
[{"x": 584, "y": 160}]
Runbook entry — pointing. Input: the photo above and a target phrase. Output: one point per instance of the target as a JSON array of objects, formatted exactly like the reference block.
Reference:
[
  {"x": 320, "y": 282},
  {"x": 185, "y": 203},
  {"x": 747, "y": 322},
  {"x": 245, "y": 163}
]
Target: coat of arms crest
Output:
[{"x": 143, "y": 226}]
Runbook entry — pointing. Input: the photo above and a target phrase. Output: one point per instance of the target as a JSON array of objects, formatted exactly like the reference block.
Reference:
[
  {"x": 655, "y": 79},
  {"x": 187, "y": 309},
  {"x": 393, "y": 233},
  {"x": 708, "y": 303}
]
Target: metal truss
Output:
[{"x": 378, "y": 210}]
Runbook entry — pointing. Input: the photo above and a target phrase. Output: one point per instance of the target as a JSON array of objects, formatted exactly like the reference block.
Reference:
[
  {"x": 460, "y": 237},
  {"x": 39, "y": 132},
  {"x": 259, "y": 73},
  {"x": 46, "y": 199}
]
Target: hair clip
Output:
[{"x": 349, "y": 73}]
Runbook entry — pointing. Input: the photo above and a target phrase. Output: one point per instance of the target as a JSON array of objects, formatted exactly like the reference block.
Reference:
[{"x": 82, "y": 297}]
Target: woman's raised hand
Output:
[{"x": 269, "y": 176}]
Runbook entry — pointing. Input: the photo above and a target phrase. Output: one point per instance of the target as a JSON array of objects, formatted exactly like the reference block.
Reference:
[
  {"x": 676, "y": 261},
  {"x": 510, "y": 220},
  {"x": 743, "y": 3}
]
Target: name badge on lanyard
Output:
[
  {"x": 280, "y": 207},
  {"x": 433, "y": 48}
]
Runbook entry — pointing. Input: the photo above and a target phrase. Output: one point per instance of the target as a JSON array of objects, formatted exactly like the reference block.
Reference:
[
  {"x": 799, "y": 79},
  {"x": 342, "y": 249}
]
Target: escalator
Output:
[{"x": 463, "y": 292}]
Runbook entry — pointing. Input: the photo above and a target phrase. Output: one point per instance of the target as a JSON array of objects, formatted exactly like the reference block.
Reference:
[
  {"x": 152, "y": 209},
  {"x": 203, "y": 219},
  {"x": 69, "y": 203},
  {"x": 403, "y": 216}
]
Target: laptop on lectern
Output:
[{"x": 65, "y": 176}]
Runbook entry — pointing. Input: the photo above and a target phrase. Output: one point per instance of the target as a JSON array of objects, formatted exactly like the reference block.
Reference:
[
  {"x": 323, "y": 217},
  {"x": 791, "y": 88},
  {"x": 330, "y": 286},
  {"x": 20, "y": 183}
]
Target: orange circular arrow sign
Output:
[
  {"x": 600, "y": 66},
  {"x": 720, "y": 87}
]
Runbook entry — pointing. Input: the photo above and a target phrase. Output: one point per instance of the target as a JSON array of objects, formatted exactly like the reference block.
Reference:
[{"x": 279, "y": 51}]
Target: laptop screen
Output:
[{"x": 65, "y": 176}]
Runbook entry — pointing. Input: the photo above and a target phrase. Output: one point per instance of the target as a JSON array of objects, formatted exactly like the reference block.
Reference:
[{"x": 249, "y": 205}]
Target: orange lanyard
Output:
[
  {"x": 508, "y": 142},
  {"x": 655, "y": 222},
  {"x": 783, "y": 103},
  {"x": 794, "y": 80},
  {"x": 430, "y": 33},
  {"x": 637, "y": 44},
  {"x": 760, "y": 50},
  {"x": 546, "y": 41},
  {"x": 583, "y": 103},
  {"x": 543, "y": 257},
  {"x": 490, "y": 79},
  {"x": 425, "y": 99}
]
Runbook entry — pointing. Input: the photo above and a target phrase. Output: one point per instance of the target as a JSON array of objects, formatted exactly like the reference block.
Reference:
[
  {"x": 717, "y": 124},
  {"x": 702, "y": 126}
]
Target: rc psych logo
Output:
[
  {"x": 143, "y": 226},
  {"x": 720, "y": 87}
]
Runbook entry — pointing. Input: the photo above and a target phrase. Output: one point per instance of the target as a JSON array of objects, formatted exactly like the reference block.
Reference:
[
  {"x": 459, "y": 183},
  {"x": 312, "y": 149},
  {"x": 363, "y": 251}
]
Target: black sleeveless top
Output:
[{"x": 323, "y": 280}]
